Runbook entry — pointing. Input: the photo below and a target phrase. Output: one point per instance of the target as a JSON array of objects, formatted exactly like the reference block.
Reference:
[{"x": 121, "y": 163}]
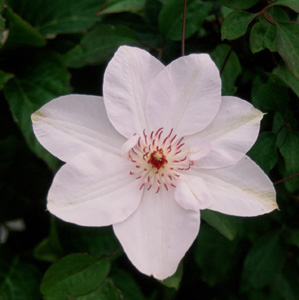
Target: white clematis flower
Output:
[{"x": 161, "y": 145}]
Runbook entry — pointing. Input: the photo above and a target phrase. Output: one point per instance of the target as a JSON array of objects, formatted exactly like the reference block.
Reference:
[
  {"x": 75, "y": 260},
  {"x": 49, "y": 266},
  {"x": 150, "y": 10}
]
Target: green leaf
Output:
[
  {"x": 129, "y": 288},
  {"x": 106, "y": 291},
  {"x": 288, "y": 45},
  {"x": 288, "y": 78},
  {"x": 171, "y": 18},
  {"x": 58, "y": 16},
  {"x": 95, "y": 241},
  {"x": 20, "y": 32},
  {"x": 174, "y": 280},
  {"x": 18, "y": 279},
  {"x": 264, "y": 152},
  {"x": 262, "y": 36},
  {"x": 278, "y": 13},
  {"x": 225, "y": 224},
  {"x": 215, "y": 255},
  {"x": 293, "y": 4},
  {"x": 232, "y": 68},
  {"x": 117, "y": 6},
  {"x": 49, "y": 249},
  {"x": 75, "y": 276},
  {"x": 285, "y": 285},
  {"x": 44, "y": 252},
  {"x": 270, "y": 95},
  {"x": 99, "y": 45},
  {"x": 289, "y": 151},
  {"x": 235, "y": 24},
  {"x": 239, "y": 4},
  {"x": 4, "y": 77},
  {"x": 264, "y": 260},
  {"x": 282, "y": 123},
  {"x": 43, "y": 79}
]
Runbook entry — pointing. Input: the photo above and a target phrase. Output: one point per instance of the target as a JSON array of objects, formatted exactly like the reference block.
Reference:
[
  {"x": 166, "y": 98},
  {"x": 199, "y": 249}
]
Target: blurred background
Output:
[{"x": 50, "y": 48}]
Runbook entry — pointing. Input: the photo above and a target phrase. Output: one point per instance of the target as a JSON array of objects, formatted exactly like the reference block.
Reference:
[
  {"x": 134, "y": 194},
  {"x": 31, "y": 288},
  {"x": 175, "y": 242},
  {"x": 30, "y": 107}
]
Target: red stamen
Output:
[
  {"x": 145, "y": 136},
  {"x": 173, "y": 139},
  {"x": 179, "y": 141}
]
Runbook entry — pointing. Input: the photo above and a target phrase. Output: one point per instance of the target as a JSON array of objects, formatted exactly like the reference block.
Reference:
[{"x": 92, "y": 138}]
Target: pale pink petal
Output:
[
  {"x": 158, "y": 234},
  {"x": 198, "y": 149},
  {"x": 192, "y": 193},
  {"x": 69, "y": 125},
  {"x": 94, "y": 189},
  {"x": 126, "y": 82},
  {"x": 128, "y": 145},
  {"x": 185, "y": 96},
  {"x": 231, "y": 134},
  {"x": 241, "y": 190}
]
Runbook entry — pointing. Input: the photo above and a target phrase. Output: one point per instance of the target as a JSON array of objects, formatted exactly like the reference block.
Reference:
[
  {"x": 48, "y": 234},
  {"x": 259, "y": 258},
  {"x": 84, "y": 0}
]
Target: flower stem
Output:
[
  {"x": 184, "y": 27},
  {"x": 227, "y": 58},
  {"x": 287, "y": 178}
]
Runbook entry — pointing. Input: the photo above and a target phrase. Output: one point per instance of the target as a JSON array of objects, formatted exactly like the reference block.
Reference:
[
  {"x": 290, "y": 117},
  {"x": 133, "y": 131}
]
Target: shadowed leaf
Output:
[
  {"x": 288, "y": 45},
  {"x": 235, "y": 24}
]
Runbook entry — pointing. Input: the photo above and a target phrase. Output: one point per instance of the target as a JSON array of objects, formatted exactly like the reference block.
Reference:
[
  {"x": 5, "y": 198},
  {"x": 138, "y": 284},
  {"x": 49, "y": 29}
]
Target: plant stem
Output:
[
  {"x": 227, "y": 58},
  {"x": 184, "y": 27},
  {"x": 287, "y": 178}
]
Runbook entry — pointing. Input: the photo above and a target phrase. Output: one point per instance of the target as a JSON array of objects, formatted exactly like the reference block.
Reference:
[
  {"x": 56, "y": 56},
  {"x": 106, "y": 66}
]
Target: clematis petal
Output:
[
  {"x": 94, "y": 189},
  {"x": 185, "y": 96},
  {"x": 231, "y": 134},
  {"x": 192, "y": 193},
  {"x": 73, "y": 124},
  {"x": 241, "y": 190},
  {"x": 198, "y": 149},
  {"x": 158, "y": 234},
  {"x": 126, "y": 83}
]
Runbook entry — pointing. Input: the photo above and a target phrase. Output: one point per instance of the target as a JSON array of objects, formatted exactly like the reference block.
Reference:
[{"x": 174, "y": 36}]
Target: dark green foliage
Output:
[
  {"x": 284, "y": 73},
  {"x": 171, "y": 18},
  {"x": 2, "y": 21},
  {"x": 99, "y": 45},
  {"x": 4, "y": 77},
  {"x": 80, "y": 277},
  {"x": 226, "y": 225},
  {"x": 262, "y": 36},
  {"x": 239, "y": 4},
  {"x": 21, "y": 33},
  {"x": 18, "y": 279},
  {"x": 288, "y": 45},
  {"x": 270, "y": 95},
  {"x": 214, "y": 252},
  {"x": 264, "y": 261},
  {"x": 43, "y": 79},
  {"x": 50, "y": 48},
  {"x": 264, "y": 151},
  {"x": 293, "y": 4},
  {"x": 115, "y": 6},
  {"x": 127, "y": 285},
  {"x": 235, "y": 24},
  {"x": 231, "y": 69},
  {"x": 56, "y": 17},
  {"x": 289, "y": 151}
]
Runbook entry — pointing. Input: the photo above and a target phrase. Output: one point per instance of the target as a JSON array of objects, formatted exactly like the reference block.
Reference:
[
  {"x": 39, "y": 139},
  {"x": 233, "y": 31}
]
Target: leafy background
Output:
[{"x": 54, "y": 47}]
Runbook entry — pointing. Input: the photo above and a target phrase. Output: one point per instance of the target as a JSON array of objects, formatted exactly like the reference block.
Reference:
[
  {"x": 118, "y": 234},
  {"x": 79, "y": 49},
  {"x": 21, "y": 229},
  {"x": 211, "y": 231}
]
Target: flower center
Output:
[{"x": 159, "y": 159}]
